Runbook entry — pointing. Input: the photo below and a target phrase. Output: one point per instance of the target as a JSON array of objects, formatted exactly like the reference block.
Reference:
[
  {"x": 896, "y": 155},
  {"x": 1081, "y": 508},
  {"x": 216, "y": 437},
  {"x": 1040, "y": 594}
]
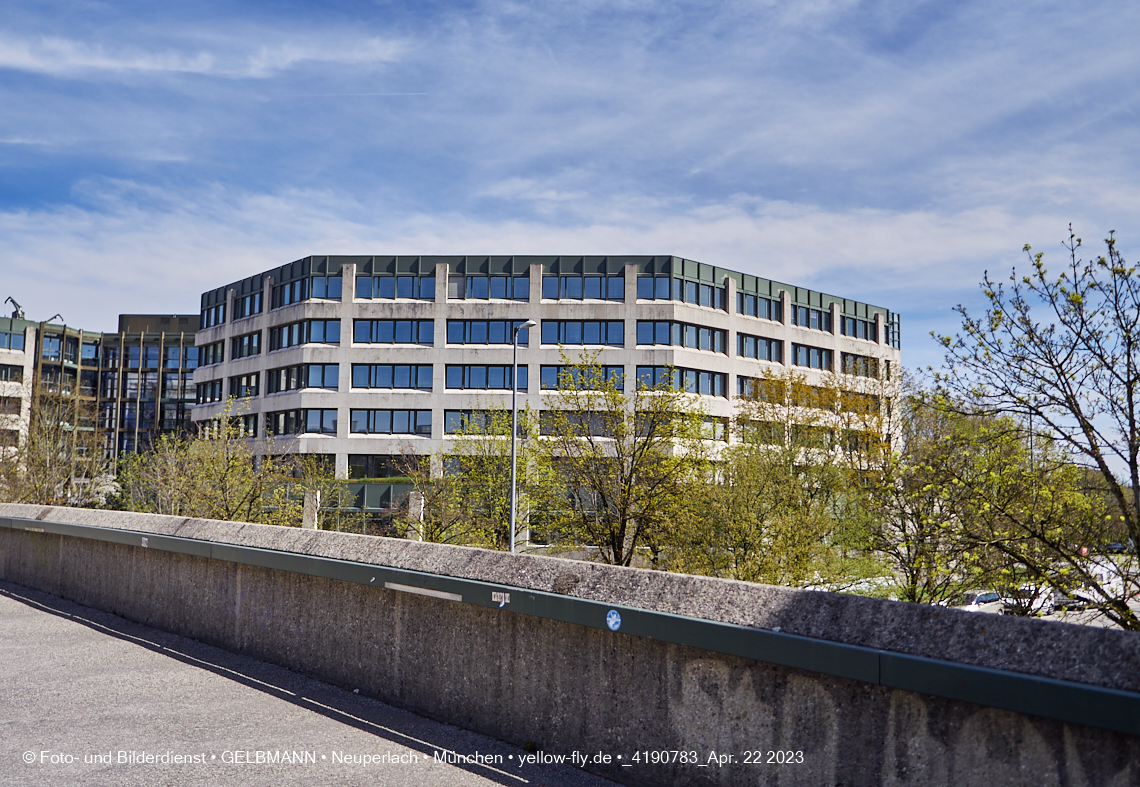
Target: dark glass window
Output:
[{"x": 393, "y": 332}]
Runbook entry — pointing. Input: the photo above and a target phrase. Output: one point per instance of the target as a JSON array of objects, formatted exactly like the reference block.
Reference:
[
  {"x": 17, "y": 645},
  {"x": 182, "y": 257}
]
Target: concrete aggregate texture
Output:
[
  {"x": 81, "y": 683},
  {"x": 1084, "y": 654}
]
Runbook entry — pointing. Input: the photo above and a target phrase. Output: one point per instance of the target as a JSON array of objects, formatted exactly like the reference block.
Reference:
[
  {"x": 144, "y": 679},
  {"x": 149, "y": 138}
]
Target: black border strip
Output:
[{"x": 1065, "y": 701}]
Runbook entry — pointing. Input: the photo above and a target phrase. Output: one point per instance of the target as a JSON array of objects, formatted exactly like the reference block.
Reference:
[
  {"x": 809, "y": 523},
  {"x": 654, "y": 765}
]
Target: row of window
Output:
[
  {"x": 247, "y": 305},
  {"x": 214, "y": 315},
  {"x": 515, "y": 288},
  {"x": 682, "y": 334},
  {"x": 245, "y": 346},
  {"x": 391, "y": 287},
  {"x": 759, "y": 306},
  {"x": 760, "y": 348},
  {"x": 304, "y": 332},
  {"x": 667, "y": 288},
  {"x": 860, "y": 329},
  {"x": 213, "y": 353},
  {"x": 393, "y": 332},
  {"x": 586, "y": 332},
  {"x": 691, "y": 380},
  {"x": 816, "y": 319},
  {"x": 485, "y": 332},
  {"x": 576, "y": 288}
]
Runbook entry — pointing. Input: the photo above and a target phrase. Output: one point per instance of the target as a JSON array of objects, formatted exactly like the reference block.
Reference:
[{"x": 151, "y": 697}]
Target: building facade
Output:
[
  {"x": 128, "y": 386},
  {"x": 360, "y": 358}
]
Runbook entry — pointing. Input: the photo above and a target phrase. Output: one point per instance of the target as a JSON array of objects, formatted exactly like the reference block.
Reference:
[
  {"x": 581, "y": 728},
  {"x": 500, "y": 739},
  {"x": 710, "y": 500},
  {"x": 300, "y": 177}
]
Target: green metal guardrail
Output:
[{"x": 1066, "y": 701}]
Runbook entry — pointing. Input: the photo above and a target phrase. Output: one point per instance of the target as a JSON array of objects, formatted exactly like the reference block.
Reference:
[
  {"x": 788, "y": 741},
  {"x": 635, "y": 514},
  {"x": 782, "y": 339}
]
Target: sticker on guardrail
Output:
[
  {"x": 145, "y": 541},
  {"x": 424, "y": 591},
  {"x": 502, "y": 599},
  {"x": 613, "y": 620}
]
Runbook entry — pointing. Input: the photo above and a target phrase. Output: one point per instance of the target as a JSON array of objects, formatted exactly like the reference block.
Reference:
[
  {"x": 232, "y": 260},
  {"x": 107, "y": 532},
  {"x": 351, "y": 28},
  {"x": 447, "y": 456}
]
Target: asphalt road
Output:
[{"x": 87, "y": 697}]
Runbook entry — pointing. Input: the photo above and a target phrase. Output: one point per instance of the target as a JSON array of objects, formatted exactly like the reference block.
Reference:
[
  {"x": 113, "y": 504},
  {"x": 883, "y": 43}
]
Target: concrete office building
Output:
[{"x": 361, "y": 357}]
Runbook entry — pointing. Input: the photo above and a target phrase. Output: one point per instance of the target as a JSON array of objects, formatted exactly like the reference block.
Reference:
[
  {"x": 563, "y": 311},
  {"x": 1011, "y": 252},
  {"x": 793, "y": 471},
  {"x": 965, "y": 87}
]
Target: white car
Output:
[{"x": 980, "y": 601}]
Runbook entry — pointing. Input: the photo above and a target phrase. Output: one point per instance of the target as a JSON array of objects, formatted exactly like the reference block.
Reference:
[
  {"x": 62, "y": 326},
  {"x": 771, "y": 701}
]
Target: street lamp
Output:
[{"x": 515, "y": 420}]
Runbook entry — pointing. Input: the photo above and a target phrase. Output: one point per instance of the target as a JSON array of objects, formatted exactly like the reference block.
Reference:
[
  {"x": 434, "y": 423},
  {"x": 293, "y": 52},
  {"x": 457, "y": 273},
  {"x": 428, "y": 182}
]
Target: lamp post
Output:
[{"x": 515, "y": 420}]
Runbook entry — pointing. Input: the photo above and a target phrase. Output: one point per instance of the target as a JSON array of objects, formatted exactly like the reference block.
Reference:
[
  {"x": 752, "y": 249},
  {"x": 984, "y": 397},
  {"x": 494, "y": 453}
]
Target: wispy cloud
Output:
[{"x": 63, "y": 57}]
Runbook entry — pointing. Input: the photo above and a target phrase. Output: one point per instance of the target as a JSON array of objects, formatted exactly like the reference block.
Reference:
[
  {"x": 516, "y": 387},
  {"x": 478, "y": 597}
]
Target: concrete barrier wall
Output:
[{"x": 566, "y": 687}]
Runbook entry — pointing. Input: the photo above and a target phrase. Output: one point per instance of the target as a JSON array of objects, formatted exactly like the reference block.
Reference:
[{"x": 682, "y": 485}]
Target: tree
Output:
[
  {"x": 221, "y": 473},
  {"x": 1069, "y": 381},
  {"x": 786, "y": 502},
  {"x": 468, "y": 502},
  {"x": 628, "y": 460},
  {"x": 58, "y": 459}
]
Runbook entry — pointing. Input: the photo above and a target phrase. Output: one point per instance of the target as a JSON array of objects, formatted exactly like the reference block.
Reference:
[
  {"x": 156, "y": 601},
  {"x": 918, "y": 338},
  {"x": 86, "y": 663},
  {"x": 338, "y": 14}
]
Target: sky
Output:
[{"x": 889, "y": 152}]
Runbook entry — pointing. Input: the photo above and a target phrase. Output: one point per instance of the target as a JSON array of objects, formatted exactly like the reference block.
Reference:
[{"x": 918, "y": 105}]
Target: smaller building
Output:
[{"x": 130, "y": 385}]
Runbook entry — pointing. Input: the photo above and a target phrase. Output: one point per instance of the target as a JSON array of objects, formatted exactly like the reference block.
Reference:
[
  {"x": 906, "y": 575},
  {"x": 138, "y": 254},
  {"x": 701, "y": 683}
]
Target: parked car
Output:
[
  {"x": 980, "y": 601},
  {"x": 1028, "y": 600}
]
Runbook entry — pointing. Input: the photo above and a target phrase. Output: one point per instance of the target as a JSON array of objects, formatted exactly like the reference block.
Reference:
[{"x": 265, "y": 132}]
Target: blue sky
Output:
[{"x": 885, "y": 151}]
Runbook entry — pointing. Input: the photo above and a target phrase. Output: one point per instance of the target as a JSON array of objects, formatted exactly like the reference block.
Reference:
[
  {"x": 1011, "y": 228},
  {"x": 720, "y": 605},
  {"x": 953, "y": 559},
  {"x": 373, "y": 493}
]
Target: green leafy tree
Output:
[
  {"x": 786, "y": 503},
  {"x": 628, "y": 460},
  {"x": 58, "y": 458},
  {"x": 221, "y": 473},
  {"x": 1060, "y": 355},
  {"x": 466, "y": 499}
]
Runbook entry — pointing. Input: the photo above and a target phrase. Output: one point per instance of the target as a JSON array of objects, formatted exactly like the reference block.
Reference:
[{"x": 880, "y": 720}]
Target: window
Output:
[
  {"x": 211, "y": 354},
  {"x": 581, "y": 377},
  {"x": 304, "y": 332},
  {"x": 392, "y": 376},
  {"x": 207, "y": 392},
  {"x": 310, "y": 421},
  {"x": 379, "y": 465},
  {"x": 9, "y": 438},
  {"x": 390, "y": 287},
  {"x": 11, "y": 374},
  {"x": 815, "y": 319},
  {"x": 393, "y": 332},
  {"x": 213, "y": 315},
  {"x": 691, "y": 380},
  {"x": 245, "y": 346},
  {"x": 485, "y": 332},
  {"x": 811, "y": 357},
  {"x": 516, "y": 288},
  {"x": 9, "y": 405},
  {"x": 192, "y": 354},
  {"x": 480, "y": 377},
  {"x": 410, "y": 422},
  {"x": 760, "y": 348},
  {"x": 586, "y": 332},
  {"x": 551, "y": 422},
  {"x": 246, "y": 425},
  {"x": 860, "y": 329},
  {"x": 859, "y": 365},
  {"x": 601, "y": 288},
  {"x": 329, "y": 287},
  {"x": 15, "y": 341},
  {"x": 51, "y": 348},
  {"x": 476, "y": 421},
  {"x": 682, "y": 334},
  {"x": 244, "y": 386},
  {"x": 305, "y": 375},
  {"x": 759, "y": 306}
]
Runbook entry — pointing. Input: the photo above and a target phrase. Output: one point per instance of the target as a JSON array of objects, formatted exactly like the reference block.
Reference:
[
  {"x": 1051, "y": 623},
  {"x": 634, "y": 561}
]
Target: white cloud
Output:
[{"x": 63, "y": 57}]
